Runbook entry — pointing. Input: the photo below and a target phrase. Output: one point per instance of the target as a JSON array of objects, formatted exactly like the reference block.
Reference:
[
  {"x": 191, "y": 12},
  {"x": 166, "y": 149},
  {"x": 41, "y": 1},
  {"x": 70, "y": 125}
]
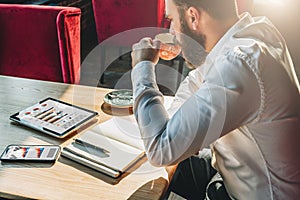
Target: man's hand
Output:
[{"x": 146, "y": 49}]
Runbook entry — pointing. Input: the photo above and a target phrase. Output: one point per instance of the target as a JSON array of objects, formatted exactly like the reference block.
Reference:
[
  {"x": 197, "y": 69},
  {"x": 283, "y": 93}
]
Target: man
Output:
[{"x": 242, "y": 100}]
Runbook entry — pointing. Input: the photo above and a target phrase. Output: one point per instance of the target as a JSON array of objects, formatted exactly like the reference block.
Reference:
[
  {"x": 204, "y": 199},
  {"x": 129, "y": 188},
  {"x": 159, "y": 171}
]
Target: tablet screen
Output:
[{"x": 52, "y": 115}]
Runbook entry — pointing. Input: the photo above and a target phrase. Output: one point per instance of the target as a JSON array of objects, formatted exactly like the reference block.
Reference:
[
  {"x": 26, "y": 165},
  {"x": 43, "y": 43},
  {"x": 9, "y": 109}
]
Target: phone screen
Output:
[{"x": 30, "y": 153}]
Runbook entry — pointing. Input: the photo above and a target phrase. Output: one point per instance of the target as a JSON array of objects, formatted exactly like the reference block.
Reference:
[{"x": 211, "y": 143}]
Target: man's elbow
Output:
[{"x": 160, "y": 160}]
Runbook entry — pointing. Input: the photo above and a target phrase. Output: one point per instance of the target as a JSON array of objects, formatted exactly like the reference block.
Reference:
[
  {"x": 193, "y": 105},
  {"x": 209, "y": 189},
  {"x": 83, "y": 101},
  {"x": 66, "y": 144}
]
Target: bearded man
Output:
[{"x": 241, "y": 100}]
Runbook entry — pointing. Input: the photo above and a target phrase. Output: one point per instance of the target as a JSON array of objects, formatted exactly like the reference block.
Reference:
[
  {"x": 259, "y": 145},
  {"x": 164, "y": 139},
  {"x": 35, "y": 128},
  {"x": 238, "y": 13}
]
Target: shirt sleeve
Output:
[
  {"x": 187, "y": 88},
  {"x": 224, "y": 99}
]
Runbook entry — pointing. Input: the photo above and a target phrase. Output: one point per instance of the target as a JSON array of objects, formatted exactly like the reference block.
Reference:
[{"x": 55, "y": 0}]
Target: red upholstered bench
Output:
[{"x": 40, "y": 42}]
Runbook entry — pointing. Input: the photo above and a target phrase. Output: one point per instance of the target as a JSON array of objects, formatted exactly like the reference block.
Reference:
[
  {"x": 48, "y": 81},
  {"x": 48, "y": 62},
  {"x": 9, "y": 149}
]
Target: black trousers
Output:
[{"x": 195, "y": 178}]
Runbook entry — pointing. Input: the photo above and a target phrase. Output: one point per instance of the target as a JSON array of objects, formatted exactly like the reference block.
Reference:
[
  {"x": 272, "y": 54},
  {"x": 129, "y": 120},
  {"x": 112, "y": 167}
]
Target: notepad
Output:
[
  {"x": 111, "y": 147},
  {"x": 111, "y": 154}
]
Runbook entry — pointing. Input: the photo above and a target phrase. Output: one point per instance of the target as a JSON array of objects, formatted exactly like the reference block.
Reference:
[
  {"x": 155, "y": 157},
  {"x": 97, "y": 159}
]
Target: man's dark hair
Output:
[{"x": 218, "y": 9}]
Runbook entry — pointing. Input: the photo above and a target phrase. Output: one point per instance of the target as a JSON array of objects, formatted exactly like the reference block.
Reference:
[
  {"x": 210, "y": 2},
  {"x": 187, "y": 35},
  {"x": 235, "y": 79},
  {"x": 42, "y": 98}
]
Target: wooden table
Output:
[{"x": 65, "y": 179}]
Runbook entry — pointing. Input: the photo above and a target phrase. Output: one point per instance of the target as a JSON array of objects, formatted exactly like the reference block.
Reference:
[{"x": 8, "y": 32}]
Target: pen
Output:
[{"x": 86, "y": 144}]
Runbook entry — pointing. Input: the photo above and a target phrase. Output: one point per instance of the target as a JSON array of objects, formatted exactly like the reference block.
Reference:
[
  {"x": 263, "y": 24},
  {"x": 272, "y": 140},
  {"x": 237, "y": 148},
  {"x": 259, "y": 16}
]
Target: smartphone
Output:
[{"x": 32, "y": 153}]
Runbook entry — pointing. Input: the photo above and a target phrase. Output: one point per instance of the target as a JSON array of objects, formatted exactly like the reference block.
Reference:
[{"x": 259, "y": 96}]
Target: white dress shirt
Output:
[{"x": 243, "y": 102}]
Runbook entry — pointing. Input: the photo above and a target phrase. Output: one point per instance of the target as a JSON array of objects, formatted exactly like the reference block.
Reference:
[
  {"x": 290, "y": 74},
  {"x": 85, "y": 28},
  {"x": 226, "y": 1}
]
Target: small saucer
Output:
[{"x": 119, "y": 98}]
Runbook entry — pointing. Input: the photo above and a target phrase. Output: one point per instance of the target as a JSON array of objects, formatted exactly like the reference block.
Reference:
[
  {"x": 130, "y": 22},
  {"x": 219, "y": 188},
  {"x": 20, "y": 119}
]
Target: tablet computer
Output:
[{"x": 54, "y": 117}]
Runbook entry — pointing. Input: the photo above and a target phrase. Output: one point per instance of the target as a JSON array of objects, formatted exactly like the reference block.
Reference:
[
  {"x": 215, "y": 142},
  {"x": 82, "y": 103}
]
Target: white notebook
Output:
[{"x": 111, "y": 147}]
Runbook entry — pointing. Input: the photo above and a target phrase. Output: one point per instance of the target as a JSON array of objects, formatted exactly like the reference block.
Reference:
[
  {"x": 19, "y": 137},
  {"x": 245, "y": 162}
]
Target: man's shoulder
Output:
[
  {"x": 236, "y": 64},
  {"x": 238, "y": 55}
]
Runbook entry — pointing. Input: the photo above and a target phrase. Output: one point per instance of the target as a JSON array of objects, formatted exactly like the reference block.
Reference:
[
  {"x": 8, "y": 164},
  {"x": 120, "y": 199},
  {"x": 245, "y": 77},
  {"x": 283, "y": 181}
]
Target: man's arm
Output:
[
  {"x": 187, "y": 88},
  {"x": 227, "y": 98},
  {"x": 168, "y": 141}
]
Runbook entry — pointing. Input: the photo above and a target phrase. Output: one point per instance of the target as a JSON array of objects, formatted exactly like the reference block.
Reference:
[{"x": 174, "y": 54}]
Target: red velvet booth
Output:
[
  {"x": 132, "y": 18},
  {"x": 40, "y": 42}
]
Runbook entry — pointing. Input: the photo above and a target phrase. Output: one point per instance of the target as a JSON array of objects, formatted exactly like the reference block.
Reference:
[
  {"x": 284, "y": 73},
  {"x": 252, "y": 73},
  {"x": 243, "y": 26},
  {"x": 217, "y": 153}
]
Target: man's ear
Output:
[{"x": 193, "y": 16}]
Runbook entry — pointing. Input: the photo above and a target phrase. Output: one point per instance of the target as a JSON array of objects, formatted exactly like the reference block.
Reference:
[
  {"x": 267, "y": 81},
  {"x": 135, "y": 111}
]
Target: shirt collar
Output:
[{"x": 245, "y": 19}]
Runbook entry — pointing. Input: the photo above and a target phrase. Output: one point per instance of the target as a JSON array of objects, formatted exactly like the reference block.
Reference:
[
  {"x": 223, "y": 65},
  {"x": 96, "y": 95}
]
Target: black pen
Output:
[{"x": 86, "y": 144}]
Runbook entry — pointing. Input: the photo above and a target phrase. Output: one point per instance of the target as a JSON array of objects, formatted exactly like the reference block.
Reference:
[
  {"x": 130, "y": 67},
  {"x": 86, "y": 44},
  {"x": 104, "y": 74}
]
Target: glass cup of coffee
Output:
[{"x": 169, "y": 47}]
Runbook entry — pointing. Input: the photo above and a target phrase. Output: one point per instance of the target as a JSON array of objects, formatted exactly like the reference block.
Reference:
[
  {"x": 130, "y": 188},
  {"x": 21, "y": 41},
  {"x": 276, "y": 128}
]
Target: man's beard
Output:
[{"x": 192, "y": 45}]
